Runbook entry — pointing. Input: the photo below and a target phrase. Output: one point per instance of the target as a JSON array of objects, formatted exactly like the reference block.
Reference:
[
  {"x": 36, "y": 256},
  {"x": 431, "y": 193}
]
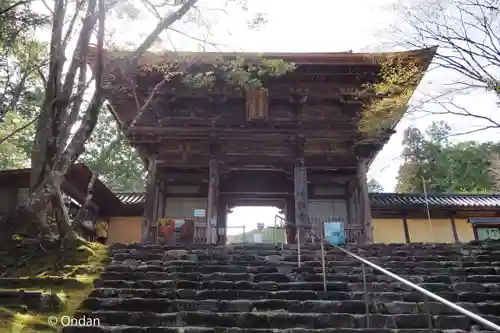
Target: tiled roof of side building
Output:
[
  {"x": 436, "y": 200},
  {"x": 388, "y": 199},
  {"x": 131, "y": 197}
]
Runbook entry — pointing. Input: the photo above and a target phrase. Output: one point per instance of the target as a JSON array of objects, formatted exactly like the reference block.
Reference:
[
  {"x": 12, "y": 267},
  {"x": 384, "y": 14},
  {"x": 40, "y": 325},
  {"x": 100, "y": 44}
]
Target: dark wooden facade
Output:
[
  {"x": 14, "y": 184},
  {"x": 233, "y": 144}
]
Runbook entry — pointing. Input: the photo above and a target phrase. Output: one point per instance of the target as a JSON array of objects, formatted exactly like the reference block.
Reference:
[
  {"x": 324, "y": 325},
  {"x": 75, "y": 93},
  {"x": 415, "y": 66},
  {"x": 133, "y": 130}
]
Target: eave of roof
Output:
[
  {"x": 435, "y": 200},
  {"x": 387, "y": 200},
  {"x": 425, "y": 54}
]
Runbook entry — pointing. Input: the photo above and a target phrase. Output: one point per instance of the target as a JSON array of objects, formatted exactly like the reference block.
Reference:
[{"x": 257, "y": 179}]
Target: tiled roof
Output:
[
  {"x": 391, "y": 199},
  {"x": 436, "y": 200},
  {"x": 132, "y": 198}
]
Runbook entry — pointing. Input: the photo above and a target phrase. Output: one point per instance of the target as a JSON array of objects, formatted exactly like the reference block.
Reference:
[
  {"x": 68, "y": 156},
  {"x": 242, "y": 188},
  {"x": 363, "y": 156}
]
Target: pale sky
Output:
[
  {"x": 315, "y": 26},
  {"x": 321, "y": 26}
]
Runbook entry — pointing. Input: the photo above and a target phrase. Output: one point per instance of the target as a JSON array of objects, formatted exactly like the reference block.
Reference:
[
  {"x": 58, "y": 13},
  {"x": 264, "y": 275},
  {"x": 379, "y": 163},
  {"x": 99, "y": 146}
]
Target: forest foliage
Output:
[{"x": 446, "y": 166}]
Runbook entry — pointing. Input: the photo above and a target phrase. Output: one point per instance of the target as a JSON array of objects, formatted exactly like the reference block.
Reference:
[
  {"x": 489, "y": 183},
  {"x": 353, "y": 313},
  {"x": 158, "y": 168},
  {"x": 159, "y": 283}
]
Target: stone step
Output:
[
  {"x": 275, "y": 257},
  {"x": 227, "y": 285},
  {"x": 157, "y": 264},
  {"x": 290, "y": 277},
  {"x": 447, "y": 248},
  {"x": 277, "y": 260},
  {"x": 330, "y": 285},
  {"x": 23, "y": 301},
  {"x": 166, "y": 305},
  {"x": 293, "y": 256},
  {"x": 219, "y": 294},
  {"x": 278, "y": 320},
  {"x": 48, "y": 282},
  {"x": 165, "y": 329},
  {"x": 313, "y": 248},
  {"x": 290, "y": 267},
  {"x": 299, "y": 295},
  {"x": 493, "y": 246}
]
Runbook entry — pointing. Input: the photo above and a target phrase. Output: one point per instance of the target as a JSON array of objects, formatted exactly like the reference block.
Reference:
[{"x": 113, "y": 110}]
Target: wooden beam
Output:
[
  {"x": 256, "y": 161},
  {"x": 238, "y": 133},
  {"x": 213, "y": 196},
  {"x": 149, "y": 207},
  {"x": 301, "y": 213},
  {"x": 454, "y": 228},
  {"x": 181, "y": 178},
  {"x": 365, "y": 201},
  {"x": 221, "y": 221},
  {"x": 406, "y": 231},
  {"x": 290, "y": 218},
  {"x": 304, "y": 85}
]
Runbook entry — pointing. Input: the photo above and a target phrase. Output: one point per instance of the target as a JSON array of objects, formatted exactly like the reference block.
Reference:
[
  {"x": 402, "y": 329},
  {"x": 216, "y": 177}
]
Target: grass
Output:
[{"x": 83, "y": 264}]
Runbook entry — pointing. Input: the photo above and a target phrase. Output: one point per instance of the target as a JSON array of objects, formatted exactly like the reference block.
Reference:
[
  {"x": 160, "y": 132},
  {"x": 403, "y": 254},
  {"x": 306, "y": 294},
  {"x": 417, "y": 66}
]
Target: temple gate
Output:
[{"x": 296, "y": 142}]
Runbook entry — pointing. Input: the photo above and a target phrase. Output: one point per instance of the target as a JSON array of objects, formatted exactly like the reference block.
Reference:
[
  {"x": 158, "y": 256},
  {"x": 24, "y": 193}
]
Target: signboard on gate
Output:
[
  {"x": 199, "y": 213},
  {"x": 334, "y": 233},
  {"x": 260, "y": 226}
]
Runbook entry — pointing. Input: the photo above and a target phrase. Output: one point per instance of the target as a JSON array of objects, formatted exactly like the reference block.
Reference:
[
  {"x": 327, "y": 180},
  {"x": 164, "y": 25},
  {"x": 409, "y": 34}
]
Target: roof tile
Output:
[{"x": 390, "y": 199}]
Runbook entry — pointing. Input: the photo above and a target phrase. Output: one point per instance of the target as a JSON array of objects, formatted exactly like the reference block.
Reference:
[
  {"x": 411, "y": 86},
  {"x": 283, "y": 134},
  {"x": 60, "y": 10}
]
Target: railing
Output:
[
  {"x": 353, "y": 233},
  {"x": 365, "y": 262},
  {"x": 426, "y": 292},
  {"x": 200, "y": 232}
]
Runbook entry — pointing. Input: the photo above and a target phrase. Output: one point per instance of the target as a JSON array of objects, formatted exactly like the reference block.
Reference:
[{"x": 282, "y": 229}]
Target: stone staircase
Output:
[{"x": 259, "y": 288}]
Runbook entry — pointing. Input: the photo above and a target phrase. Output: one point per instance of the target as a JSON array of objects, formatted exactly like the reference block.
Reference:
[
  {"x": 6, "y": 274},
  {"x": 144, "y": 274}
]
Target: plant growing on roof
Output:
[
  {"x": 398, "y": 79},
  {"x": 240, "y": 72}
]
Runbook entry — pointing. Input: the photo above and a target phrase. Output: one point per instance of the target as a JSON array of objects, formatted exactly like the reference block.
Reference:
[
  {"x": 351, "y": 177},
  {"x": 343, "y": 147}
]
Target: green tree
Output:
[
  {"x": 21, "y": 58},
  {"x": 462, "y": 167},
  {"x": 112, "y": 158},
  {"x": 374, "y": 186},
  {"x": 15, "y": 151},
  {"x": 21, "y": 86},
  {"x": 72, "y": 104}
]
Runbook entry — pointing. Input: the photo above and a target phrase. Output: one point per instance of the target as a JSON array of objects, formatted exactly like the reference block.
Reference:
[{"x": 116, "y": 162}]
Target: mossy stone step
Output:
[
  {"x": 38, "y": 301},
  {"x": 39, "y": 282}
]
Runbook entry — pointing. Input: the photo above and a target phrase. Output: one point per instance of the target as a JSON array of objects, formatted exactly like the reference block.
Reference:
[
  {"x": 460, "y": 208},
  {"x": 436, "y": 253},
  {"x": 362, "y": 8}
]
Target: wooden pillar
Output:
[
  {"x": 150, "y": 219},
  {"x": 221, "y": 221},
  {"x": 454, "y": 228},
  {"x": 366, "y": 218},
  {"x": 290, "y": 230},
  {"x": 213, "y": 197},
  {"x": 301, "y": 213},
  {"x": 406, "y": 230},
  {"x": 349, "y": 204}
]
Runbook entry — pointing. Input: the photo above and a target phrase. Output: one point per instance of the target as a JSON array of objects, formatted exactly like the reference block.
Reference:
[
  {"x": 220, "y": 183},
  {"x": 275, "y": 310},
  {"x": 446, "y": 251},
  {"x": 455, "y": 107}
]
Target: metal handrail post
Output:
[
  {"x": 298, "y": 247},
  {"x": 274, "y": 233},
  {"x": 323, "y": 265},
  {"x": 430, "y": 327}
]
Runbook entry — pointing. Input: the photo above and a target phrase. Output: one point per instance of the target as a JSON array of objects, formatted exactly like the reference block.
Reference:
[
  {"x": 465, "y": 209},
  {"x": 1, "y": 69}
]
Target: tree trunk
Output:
[{"x": 52, "y": 154}]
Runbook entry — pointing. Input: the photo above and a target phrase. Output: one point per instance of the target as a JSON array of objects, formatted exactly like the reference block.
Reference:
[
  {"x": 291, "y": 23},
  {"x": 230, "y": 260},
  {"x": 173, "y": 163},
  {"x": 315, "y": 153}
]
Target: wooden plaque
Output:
[{"x": 257, "y": 104}]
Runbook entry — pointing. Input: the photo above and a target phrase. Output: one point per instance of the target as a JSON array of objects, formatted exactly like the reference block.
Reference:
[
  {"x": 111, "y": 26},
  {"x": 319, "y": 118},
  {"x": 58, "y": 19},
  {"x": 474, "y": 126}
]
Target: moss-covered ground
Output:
[{"x": 62, "y": 279}]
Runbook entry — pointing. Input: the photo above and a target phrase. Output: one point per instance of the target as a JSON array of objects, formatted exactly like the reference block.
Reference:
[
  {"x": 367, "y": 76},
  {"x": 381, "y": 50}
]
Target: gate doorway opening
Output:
[{"x": 243, "y": 224}]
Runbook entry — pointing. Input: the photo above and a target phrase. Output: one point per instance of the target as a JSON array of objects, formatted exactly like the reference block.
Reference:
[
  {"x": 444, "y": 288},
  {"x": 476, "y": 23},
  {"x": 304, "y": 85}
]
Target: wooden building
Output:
[
  {"x": 442, "y": 218},
  {"x": 296, "y": 142},
  {"x": 397, "y": 217},
  {"x": 14, "y": 191}
]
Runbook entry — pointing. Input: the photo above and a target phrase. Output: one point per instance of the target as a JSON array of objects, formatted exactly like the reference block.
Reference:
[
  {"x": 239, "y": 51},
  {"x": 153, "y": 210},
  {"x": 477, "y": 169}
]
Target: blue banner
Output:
[{"x": 334, "y": 233}]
